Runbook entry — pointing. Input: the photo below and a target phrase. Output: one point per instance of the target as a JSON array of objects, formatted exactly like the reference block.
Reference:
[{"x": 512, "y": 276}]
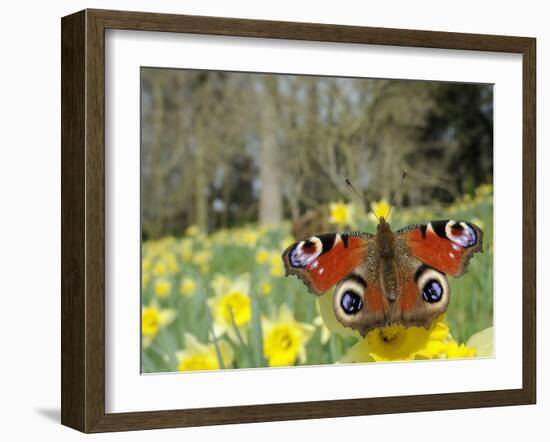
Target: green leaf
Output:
[{"x": 256, "y": 334}]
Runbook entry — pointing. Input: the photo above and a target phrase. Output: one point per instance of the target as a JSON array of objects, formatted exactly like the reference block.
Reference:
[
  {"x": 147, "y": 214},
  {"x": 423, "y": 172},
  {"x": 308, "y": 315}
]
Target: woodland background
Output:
[{"x": 222, "y": 149}]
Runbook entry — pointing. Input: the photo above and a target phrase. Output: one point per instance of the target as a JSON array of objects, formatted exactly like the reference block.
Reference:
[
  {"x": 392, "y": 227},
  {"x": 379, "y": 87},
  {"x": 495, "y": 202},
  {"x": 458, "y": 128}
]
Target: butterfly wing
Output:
[
  {"x": 424, "y": 293},
  {"x": 359, "y": 301},
  {"x": 445, "y": 245},
  {"x": 324, "y": 260}
]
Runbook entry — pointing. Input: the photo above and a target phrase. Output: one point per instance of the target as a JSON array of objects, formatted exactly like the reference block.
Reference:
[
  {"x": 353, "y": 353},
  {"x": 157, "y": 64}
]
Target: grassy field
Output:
[{"x": 188, "y": 282}]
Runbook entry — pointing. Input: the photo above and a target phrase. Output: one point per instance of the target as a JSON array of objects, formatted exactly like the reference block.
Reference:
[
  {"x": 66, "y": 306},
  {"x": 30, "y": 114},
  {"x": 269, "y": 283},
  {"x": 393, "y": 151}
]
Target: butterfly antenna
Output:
[
  {"x": 348, "y": 182},
  {"x": 399, "y": 187}
]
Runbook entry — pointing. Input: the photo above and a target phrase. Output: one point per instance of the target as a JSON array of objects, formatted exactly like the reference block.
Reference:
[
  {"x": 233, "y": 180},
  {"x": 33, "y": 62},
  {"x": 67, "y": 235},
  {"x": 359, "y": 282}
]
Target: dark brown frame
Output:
[{"x": 83, "y": 217}]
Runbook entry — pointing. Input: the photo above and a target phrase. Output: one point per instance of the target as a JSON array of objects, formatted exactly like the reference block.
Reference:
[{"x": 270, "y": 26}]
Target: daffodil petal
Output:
[
  {"x": 167, "y": 316},
  {"x": 285, "y": 314},
  {"x": 360, "y": 352},
  {"x": 192, "y": 344},
  {"x": 327, "y": 313},
  {"x": 482, "y": 341},
  {"x": 307, "y": 330},
  {"x": 227, "y": 352}
]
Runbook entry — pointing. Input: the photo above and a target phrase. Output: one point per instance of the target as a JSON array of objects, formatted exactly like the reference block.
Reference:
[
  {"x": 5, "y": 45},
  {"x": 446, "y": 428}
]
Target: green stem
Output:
[
  {"x": 214, "y": 339},
  {"x": 234, "y": 324},
  {"x": 239, "y": 336}
]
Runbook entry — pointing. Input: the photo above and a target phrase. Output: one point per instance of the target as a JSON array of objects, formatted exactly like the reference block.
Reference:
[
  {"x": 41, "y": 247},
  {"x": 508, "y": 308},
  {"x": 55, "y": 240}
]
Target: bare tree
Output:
[{"x": 271, "y": 200}]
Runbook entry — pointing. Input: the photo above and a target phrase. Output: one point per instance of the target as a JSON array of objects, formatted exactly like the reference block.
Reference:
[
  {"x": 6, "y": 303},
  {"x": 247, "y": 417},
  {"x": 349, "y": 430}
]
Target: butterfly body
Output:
[{"x": 388, "y": 277}]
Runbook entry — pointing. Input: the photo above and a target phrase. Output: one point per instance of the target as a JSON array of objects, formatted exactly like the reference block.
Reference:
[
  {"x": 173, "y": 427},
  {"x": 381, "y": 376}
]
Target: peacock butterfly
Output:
[{"x": 389, "y": 277}]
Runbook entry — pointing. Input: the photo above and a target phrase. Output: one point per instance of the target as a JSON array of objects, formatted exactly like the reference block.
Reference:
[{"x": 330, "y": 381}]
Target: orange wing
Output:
[
  {"x": 324, "y": 260},
  {"x": 444, "y": 245}
]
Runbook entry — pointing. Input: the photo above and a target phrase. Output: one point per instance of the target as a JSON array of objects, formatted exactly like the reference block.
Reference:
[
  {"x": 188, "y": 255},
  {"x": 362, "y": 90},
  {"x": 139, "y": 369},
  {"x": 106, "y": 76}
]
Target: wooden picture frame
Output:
[{"x": 83, "y": 220}]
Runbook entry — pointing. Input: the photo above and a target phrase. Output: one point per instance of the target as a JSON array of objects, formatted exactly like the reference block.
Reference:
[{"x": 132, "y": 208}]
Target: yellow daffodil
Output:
[
  {"x": 325, "y": 332},
  {"x": 162, "y": 288},
  {"x": 171, "y": 262},
  {"x": 399, "y": 343},
  {"x": 202, "y": 259},
  {"x": 249, "y": 238},
  {"x": 484, "y": 192},
  {"x": 265, "y": 288},
  {"x": 199, "y": 356},
  {"x": 192, "y": 231},
  {"x": 187, "y": 286},
  {"x": 146, "y": 265},
  {"x": 277, "y": 266},
  {"x": 485, "y": 189},
  {"x": 153, "y": 318},
  {"x": 285, "y": 339},
  {"x": 185, "y": 249},
  {"x": 160, "y": 268},
  {"x": 286, "y": 242},
  {"x": 341, "y": 214},
  {"x": 273, "y": 258},
  {"x": 478, "y": 223},
  {"x": 244, "y": 236},
  {"x": 262, "y": 256},
  {"x": 380, "y": 208},
  {"x": 220, "y": 283},
  {"x": 231, "y": 309},
  {"x": 455, "y": 351},
  {"x": 145, "y": 279},
  {"x": 157, "y": 248}
]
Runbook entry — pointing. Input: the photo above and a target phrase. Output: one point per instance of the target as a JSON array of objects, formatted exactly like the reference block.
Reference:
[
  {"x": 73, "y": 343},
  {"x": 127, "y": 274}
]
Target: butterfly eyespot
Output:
[
  {"x": 433, "y": 286},
  {"x": 432, "y": 291},
  {"x": 461, "y": 233},
  {"x": 351, "y": 302},
  {"x": 305, "y": 252}
]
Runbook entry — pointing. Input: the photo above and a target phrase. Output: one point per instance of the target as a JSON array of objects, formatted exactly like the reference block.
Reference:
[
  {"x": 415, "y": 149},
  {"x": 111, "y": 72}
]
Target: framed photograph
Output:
[{"x": 270, "y": 220}]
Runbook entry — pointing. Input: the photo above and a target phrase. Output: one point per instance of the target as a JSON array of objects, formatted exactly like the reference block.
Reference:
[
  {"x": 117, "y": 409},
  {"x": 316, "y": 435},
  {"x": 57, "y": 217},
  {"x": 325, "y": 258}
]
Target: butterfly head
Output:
[
  {"x": 383, "y": 224},
  {"x": 386, "y": 207},
  {"x": 385, "y": 238}
]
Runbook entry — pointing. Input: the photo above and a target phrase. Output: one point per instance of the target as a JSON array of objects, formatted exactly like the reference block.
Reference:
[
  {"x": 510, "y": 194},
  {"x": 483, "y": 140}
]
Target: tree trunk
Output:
[
  {"x": 271, "y": 197},
  {"x": 201, "y": 194},
  {"x": 157, "y": 219}
]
